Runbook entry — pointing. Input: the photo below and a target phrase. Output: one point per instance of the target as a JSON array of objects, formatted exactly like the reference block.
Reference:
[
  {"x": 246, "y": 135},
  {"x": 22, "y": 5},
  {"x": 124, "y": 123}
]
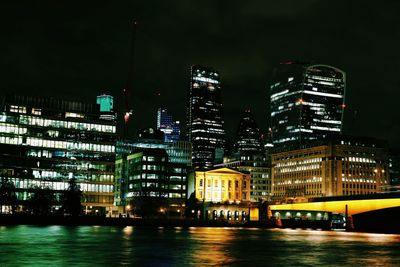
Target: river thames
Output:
[{"x": 113, "y": 246}]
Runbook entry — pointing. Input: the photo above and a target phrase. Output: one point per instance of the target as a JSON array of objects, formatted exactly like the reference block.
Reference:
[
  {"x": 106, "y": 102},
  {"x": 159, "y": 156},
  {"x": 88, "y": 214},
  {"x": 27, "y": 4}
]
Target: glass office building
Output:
[
  {"x": 307, "y": 102},
  {"x": 248, "y": 137},
  {"x": 205, "y": 124},
  {"x": 153, "y": 168},
  {"x": 45, "y": 142},
  {"x": 168, "y": 126}
]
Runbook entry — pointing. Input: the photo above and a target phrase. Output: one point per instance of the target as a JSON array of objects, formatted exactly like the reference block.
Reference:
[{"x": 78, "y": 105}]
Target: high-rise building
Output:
[
  {"x": 307, "y": 102},
  {"x": 44, "y": 142},
  {"x": 248, "y": 137},
  {"x": 168, "y": 126},
  {"x": 205, "y": 124}
]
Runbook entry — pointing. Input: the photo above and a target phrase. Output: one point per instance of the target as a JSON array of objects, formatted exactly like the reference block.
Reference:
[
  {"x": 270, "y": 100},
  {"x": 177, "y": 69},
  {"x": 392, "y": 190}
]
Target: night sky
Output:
[{"x": 78, "y": 50}]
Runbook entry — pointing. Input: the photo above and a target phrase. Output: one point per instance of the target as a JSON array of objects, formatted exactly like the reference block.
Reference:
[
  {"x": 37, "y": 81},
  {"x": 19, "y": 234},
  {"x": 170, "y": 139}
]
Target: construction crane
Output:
[{"x": 128, "y": 86}]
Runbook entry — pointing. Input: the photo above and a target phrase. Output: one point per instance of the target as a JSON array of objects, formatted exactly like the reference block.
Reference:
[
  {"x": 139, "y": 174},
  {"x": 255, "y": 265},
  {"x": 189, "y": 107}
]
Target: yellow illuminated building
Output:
[
  {"x": 334, "y": 168},
  {"x": 223, "y": 184}
]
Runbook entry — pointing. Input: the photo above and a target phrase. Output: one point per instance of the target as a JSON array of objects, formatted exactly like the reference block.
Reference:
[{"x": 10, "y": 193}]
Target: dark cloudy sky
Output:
[{"x": 77, "y": 49}]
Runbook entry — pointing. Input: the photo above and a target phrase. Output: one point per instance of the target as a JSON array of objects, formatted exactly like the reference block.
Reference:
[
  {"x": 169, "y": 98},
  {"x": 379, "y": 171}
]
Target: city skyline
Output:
[{"x": 56, "y": 54}]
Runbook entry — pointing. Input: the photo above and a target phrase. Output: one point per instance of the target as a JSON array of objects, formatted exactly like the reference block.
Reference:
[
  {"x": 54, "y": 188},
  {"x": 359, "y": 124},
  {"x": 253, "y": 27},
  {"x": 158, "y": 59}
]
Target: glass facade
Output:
[
  {"x": 166, "y": 164},
  {"x": 205, "y": 124},
  {"x": 307, "y": 102},
  {"x": 170, "y": 128},
  {"x": 248, "y": 138},
  {"x": 45, "y": 142}
]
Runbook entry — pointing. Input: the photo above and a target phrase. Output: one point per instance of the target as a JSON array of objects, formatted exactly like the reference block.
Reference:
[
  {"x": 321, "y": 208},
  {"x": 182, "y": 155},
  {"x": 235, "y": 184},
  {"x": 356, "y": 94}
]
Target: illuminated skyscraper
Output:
[
  {"x": 170, "y": 128},
  {"x": 307, "y": 102},
  {"x": 204, "y": 117}
]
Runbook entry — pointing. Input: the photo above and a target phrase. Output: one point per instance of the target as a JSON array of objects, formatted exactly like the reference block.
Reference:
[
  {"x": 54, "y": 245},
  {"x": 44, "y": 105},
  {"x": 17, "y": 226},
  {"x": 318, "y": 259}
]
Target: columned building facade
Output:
[{"x": 222, "y": 184}]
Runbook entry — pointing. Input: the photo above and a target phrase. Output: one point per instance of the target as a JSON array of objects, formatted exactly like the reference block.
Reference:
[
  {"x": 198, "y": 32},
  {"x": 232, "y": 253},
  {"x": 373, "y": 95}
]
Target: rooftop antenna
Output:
[{"x": 128, "y": 86}]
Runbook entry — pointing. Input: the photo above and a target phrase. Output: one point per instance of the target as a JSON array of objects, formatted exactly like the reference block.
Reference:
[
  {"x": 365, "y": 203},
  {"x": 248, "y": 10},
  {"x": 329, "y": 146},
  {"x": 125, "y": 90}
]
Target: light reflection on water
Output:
[{"x": 99, "y": 245}]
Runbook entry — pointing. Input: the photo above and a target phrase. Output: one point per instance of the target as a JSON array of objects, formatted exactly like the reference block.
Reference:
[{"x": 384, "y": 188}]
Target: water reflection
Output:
[
  {"x": 93, "y": 246},
  {"x": 212, "y": 246}
]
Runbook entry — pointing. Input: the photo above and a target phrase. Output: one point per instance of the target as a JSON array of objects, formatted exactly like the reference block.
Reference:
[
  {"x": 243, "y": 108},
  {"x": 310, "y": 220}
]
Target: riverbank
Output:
[
  {"x": 24, "y": 219},
  {"x": 366, "y": 225}
]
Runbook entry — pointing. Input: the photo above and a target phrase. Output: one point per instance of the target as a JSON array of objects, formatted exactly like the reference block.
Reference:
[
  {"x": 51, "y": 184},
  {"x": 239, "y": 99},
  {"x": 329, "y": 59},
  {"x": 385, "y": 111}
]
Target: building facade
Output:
[
  {"x": 222, "y": 185},
  {"x": 260, "y": 175},
  {"x": 307, "y": 102},
  {"x": 333, "y": 167},
  {"x": 205, "y": 124},
  {"x": 152, "y": 163},
  {"x": 45, "y": 142},
  {"x": 168, "y": 126}
]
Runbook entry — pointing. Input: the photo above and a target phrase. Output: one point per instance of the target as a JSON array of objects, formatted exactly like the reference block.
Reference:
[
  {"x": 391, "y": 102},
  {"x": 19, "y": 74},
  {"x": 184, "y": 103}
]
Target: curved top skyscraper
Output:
[
  {"x": 205, "y": 124},
  {"x": 307, "y": 102}
]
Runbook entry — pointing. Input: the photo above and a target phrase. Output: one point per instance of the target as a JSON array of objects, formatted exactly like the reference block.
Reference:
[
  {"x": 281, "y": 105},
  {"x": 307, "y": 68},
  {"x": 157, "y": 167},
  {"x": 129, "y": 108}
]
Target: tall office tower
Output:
[
  {"x": 248, "y": 139},
  {"x": 44, "y": 142},
  {"x": 170, "y": 128},
  {"x": 205, "y": 125},
  {"x": 106, "y": 103},
  {"x": 307, "y": 102}
]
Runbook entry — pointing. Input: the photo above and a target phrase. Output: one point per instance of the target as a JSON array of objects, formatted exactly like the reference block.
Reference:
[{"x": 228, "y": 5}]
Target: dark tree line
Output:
[{"x": 43, "y": 199}]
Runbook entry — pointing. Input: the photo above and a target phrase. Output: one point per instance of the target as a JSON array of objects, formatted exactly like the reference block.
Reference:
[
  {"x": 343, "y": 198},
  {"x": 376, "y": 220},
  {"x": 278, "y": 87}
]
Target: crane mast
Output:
[{"x": 128, "y": 86}]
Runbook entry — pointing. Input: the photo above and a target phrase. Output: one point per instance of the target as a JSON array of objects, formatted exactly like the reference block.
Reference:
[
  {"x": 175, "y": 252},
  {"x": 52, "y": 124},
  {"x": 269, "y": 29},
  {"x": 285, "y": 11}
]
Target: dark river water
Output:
[{"x": 132, "y": 246}]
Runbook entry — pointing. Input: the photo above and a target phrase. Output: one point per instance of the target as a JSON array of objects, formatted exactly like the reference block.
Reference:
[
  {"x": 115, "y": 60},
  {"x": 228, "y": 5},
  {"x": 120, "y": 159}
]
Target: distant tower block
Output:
[
  {"x": 106, "y": 103},
  {"x": 170, "y": 128}
]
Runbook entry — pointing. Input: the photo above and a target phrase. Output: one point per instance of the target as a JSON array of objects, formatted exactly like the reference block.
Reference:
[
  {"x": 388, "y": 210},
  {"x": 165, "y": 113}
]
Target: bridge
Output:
[
  {"x": 355, "y": 204},
  {"x": 367, "y": 207}
]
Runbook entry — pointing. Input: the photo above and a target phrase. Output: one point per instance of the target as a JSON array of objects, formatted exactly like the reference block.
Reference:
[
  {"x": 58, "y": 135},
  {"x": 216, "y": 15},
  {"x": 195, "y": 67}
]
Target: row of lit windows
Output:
[
  {"x": 299, "y": 168},
  {"x": 294, "y": 163},
  {"x": 14, "y": 129},
  {"x": 17, "y": 109},
  {"x": 148, "y": 193},
  {"x": 45, "y": 174},
  {"x": 38, "y": 121},
  {"x": 220, "y": 183},
  {"x": 359, "y": 159},
  {"x": 30, "y": 183},
  {"x": 359, "y": 180},
  {"x": 289, "y": 182},
  {"x": 56, "y": 144}
]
